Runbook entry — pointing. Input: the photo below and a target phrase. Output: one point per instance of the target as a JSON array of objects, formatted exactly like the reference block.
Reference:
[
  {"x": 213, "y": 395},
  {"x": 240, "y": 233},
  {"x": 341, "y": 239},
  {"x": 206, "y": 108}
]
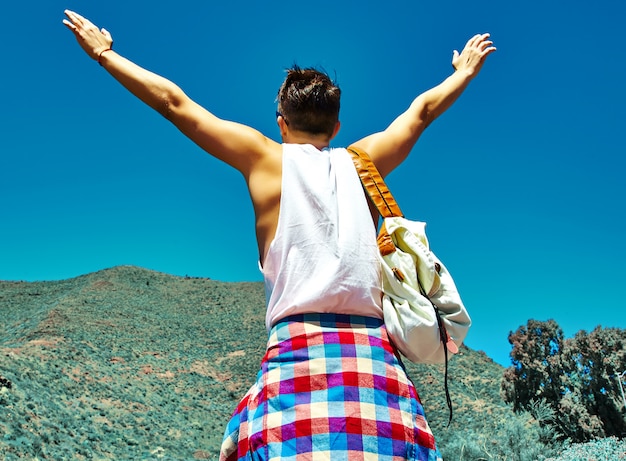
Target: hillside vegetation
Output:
[{"x": 128, "y": 363}]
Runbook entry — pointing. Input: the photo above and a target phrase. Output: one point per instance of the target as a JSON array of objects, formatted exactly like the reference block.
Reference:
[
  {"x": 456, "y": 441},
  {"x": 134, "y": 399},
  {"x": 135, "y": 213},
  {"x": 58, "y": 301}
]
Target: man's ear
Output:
[
  {"x": 282, "y": 125},
  {"x": 336, "y": 129}
]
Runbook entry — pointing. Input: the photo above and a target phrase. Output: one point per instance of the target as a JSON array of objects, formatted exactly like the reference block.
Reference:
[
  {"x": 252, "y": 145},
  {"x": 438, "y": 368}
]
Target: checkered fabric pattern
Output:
[{"x": 330, "y": 388}]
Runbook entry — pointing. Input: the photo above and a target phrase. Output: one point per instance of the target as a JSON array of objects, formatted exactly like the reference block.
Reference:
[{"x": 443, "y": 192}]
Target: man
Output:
[{"x": 331, "y": 385}]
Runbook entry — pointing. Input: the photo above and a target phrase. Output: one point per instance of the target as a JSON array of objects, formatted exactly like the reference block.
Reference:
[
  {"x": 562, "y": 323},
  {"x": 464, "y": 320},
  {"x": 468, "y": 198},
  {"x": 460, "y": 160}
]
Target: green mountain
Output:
[{"x": 128, "y": 363}]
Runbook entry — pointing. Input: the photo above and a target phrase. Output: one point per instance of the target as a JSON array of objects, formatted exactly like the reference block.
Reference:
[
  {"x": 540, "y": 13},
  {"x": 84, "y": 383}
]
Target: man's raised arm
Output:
[
  {"x": 237, "y": 145},
  {"x": 390, "y": 147}
]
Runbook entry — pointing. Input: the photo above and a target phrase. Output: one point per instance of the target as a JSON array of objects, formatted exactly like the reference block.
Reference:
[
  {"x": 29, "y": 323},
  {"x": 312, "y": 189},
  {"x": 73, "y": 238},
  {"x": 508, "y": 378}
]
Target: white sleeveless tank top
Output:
[{"x": 324, "y": 255}]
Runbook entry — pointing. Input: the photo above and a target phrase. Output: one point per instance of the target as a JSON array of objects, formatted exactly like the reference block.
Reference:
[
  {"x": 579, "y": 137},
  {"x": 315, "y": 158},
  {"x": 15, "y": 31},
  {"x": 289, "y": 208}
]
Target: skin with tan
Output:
[{"x": 256, "y": 156}]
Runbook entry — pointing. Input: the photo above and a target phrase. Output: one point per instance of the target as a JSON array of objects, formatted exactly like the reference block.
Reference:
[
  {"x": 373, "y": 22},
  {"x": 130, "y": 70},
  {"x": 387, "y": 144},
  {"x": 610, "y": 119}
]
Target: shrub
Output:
[
  {"x": 608, "y": 449},
  {"x": 519, "y": 438}
]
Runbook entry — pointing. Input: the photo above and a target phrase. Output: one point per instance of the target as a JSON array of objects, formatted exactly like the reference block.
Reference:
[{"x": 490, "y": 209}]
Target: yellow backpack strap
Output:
[
  {"x": 374, "y": 184},
  {"x": 379, "y": 194}
]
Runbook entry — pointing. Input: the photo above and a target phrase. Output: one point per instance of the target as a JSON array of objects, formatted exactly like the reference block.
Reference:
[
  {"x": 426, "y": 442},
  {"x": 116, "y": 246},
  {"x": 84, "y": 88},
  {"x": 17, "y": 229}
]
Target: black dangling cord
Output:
[{"x": 443, "y": 337}]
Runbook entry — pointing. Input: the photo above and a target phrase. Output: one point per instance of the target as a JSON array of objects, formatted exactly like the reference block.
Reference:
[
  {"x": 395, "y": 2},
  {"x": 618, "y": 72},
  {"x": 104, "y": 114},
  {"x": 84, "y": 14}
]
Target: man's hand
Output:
[
  {"x": 473, "y": 55},
  {"x": 91, "y": 39}
]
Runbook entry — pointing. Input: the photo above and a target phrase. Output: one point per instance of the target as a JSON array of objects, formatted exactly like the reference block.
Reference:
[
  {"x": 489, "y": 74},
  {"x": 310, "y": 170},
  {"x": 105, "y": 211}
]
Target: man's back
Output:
[{"x": 324, "y": 256}]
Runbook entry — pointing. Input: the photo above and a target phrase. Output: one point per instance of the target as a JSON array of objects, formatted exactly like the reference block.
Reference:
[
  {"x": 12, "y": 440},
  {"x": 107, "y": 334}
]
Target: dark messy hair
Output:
[{"x": 308, "y": 100}]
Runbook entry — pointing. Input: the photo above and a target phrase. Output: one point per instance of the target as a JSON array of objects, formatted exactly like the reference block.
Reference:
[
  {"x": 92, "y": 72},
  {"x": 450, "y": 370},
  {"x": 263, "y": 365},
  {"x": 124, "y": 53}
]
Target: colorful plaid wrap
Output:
[{"x": 330, "y": 388}]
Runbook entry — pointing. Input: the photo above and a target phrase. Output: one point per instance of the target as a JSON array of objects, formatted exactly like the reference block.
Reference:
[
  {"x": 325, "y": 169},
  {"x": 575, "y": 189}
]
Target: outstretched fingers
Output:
[
  {"x": 473, "y": 55},
  {"x": 73, "y": 20},
  {"x": 93, "y": 40},
  {"x": 483, "y": 43}
]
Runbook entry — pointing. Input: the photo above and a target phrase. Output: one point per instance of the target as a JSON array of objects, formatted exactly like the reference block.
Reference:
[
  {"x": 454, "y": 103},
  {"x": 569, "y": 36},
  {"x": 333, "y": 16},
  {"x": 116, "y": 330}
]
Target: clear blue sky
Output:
[{"x": 521, "y": 182}]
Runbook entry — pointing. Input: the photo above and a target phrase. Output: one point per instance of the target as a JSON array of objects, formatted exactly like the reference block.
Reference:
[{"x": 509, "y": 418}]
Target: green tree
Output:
[
  {"x": 577, "y": 377},
  {"x": 536, "y": 373},
  {"x": 592, "y": 363}
]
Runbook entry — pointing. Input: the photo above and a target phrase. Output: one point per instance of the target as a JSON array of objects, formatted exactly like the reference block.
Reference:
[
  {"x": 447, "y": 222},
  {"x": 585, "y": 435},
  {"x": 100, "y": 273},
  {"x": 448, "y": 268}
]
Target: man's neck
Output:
[{"x": 318, "y": 141}]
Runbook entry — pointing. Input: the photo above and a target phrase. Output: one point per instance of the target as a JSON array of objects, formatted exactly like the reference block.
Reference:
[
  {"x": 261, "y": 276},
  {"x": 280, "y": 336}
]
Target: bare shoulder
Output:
[
  {"x": 386, "y": 152},
  {"x": 265, "y": 174},
  {"x": 240, "y": 146}
]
